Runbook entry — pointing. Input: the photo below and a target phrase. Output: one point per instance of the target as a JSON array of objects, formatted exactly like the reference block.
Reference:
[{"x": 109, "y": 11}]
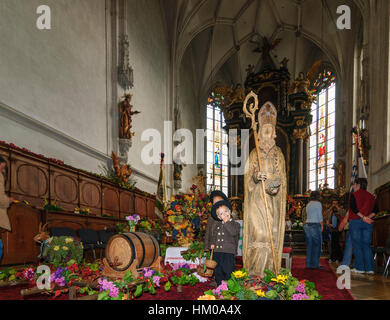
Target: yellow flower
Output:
[
  {"x": 239, "y": 274},
  {"x": 260, "y": 293},
  {"x": 64, "y": 248},
  {"x": 173, "y": 199},
  {"x": 280, "y": 279},
  {"x": 56, "y": 248},
  {"x": 68, "y": 240},
  {"x": 207, "y": 297}
]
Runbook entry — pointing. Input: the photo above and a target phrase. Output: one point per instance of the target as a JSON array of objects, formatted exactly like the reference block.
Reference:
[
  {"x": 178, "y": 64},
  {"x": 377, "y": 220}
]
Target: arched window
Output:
[
  {"x": 322, "y": 139},
  {"x": 217, "y": 150}
]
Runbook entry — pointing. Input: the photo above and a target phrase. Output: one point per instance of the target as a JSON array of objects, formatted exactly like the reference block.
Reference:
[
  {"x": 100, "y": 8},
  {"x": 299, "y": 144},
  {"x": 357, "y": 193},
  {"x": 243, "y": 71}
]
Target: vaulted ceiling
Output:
[{"x": 218, "y": 35}]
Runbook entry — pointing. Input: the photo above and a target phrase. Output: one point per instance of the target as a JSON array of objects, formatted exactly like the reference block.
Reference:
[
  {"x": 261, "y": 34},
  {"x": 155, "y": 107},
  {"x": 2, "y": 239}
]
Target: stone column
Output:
[{"x": 298, "y": 136}]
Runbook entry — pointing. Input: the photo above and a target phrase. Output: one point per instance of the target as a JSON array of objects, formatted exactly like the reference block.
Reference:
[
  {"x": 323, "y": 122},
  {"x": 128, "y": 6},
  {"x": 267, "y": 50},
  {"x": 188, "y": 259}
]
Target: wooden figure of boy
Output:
[{"x": 224, "y": 240}]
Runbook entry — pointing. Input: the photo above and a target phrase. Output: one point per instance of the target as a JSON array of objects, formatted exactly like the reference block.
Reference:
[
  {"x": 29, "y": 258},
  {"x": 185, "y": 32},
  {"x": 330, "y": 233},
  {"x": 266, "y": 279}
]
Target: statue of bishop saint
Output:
[{"x": 257, "y": 254}]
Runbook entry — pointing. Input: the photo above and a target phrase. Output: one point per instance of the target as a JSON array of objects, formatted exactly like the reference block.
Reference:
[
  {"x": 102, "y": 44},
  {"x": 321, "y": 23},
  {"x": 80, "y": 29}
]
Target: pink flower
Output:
[
  {"x": 148, "y": 272},
  {"x": 29, "y": 274},
  {"x": 114, "y": 291},
  {"x": 156, "y": 281},
  {"x": 222, "y": 287},
  {"x": 300, "y": 288},
  {"x": 300, "y": 296}
]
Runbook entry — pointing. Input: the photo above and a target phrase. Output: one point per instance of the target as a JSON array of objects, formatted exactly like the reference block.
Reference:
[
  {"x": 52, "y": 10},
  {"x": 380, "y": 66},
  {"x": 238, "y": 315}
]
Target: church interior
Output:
[{"x": 122, "y": 120}]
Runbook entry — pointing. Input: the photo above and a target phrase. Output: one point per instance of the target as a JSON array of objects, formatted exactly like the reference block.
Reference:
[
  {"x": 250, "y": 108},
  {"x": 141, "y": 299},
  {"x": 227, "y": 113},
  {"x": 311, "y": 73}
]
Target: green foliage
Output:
[
  {"x": 62, "y": 250},
  {"x": 271, "y": 294},
  {"x": 111, "y": 176},
  {"x": 167, "y": 286},
  {"x": 8, "y": 274},
  {"x": 268, "y": 275},
  {"x": 196, "y": 250},
  {"x": 246, "y": 294},
  {"x": 138, "y": 291},
  {"x": 123, "y": 228},
  {"x": 233, "y": 285},
  {"x": 52, "y": 206},
  {"x": 87, "y": 290}
]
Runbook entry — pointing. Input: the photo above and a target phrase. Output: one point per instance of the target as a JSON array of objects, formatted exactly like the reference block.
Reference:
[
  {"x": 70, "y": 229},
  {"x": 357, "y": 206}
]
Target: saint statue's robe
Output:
[{"x": 257, "y": 254}]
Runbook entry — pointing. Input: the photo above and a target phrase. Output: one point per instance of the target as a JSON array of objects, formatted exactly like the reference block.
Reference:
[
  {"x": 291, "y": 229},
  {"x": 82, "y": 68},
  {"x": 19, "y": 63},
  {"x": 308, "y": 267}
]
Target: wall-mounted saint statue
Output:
[{"x": 126, "y": 117}]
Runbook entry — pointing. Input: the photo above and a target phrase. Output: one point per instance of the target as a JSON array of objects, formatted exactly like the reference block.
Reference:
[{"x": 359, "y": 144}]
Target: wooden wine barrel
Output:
[{"x": 122, "y": 249}]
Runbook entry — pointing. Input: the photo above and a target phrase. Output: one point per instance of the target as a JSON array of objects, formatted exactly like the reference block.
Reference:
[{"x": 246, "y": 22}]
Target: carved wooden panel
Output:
[
  {"x": 90, "y": 194},
  {"x": 110, "y": 200},
  {"x": 381, "y": 231},
  {"x": 126, "y": 204},
  {"x": 33, "y": 178},
  {"x": 30, "y": 180},
  {"x": 150, "y": 209},
  {"x": 19, "y": 246},
  {"x": 140, "y": 206},
  {"x": 64, "y": 188},
  {"x": 383, "y": 197}
]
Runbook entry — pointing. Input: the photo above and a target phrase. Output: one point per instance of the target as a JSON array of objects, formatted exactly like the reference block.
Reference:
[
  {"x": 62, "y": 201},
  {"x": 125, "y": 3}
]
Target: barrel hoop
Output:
[
  {"x": 143, "y": 248},
  {"x": 132, "y": 250},
  {"x": 155, "y": 249}
]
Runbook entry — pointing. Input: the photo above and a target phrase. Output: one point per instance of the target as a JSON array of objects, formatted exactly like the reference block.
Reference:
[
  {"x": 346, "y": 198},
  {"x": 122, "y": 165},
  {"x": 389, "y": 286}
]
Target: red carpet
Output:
[{"x": 324, "y": 279}]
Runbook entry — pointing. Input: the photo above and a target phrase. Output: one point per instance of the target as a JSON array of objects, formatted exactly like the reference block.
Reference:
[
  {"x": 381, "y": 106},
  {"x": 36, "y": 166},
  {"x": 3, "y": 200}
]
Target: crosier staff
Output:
[{"x": 251, "y": 113}]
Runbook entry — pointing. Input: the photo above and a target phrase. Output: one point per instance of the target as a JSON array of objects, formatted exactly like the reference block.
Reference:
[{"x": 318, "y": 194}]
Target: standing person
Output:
[
  {"x": 347, "y": 257},
  {"x": 4, "y": 203},
  {"x": 313, "y": 231},
  {"x": 333, "y": 222},
  {"x": 224, "y": 240},
  {"x": 362, "y": 209},
  {"x": 214, "y": 197}
]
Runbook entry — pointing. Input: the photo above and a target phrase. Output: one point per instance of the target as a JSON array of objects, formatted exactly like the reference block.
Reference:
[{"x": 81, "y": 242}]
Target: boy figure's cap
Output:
[{"x": 217, "y": 193}]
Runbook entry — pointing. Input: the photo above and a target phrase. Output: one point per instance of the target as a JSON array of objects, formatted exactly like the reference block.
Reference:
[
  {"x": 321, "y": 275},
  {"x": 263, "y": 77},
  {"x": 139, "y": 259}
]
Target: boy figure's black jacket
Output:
[{"x": 225, "y": 236}]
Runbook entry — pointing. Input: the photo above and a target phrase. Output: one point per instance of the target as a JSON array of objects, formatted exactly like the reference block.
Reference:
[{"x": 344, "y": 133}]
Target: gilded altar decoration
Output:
[
  {"x": 300, "y": 85},
  {"x": 126, "y": 113},
  {"x": 305, "y": 82},
  {"x": 265, "y": 190},
  {"x": 230, "y": 96},
  {"x": 341, "y": 174}
]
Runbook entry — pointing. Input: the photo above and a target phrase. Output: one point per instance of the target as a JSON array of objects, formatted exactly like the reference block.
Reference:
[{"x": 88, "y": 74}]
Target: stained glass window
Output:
[
  {"x": 217, "y": 150},
  {"x": 322, "y": 139}
]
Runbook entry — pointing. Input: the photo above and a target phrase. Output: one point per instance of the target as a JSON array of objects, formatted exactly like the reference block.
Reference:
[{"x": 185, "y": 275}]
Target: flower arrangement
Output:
[
  {"x": 148, "y": 282},
  {"x": 133, "y": 220},
  {"x": 145, "y": 225},
  {"x": 61, "y": 250},
  {"x": 186, "y": 216},
  {"x": 52, "y": 206},
  {"x": 122, "y": 228},
  {"x": 297, "y": 225},
  {"x": 82, "y": 211},
  {"x": 292, "y": 204},
  {"x": 272, "y": 287}
]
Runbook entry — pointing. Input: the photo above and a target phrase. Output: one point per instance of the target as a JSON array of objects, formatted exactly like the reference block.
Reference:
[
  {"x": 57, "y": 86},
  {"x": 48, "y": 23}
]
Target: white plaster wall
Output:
[
  {"x": 149, "y": 57},
  {"x": 190, "y": 112},
  {"x": 57, "y": 76}
]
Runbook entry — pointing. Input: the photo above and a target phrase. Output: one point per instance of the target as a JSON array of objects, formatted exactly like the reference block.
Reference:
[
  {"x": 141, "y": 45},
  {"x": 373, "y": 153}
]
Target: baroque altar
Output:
[{"x": 293, "y": 102}]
